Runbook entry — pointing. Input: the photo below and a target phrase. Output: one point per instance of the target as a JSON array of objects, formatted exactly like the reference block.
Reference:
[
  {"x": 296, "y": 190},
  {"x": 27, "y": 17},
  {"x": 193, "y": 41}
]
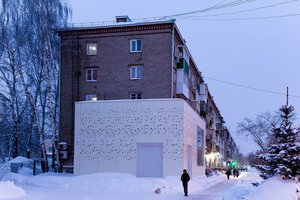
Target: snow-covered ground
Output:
[{"x": 113, "y": 186}]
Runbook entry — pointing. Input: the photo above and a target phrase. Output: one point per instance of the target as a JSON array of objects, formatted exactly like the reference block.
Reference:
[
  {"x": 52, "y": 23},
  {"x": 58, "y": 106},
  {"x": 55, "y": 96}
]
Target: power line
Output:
[
  {"x": 249, "y": 87},
  {"x": 218, "y": 6},
  {"x": 249, "y": 18},
  {"x": 248, "y": 10}
]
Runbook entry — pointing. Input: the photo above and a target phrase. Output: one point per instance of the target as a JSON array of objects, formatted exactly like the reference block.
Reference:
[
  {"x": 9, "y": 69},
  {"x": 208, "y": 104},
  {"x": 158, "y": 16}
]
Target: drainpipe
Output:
[{"x": 172, "y": 74}]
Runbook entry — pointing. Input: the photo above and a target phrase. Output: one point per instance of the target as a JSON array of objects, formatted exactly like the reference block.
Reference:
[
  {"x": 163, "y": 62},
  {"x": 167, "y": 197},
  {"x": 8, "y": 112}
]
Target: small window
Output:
[
  {"x": 135, "y": 95},
  {"x": 91, "y": 48},
  {"x": 91, "y": 97},
  {"x": 135, "y": 45},
  {"x": 136, "y": 72},
  {"x": 91, "y": 74},
  {"x": 200, "y": 146}
]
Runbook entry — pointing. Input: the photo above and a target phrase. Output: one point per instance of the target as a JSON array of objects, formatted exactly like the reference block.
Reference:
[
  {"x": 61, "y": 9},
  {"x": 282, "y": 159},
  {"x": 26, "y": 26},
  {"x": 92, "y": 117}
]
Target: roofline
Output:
[{"x": 116, "y": 25}]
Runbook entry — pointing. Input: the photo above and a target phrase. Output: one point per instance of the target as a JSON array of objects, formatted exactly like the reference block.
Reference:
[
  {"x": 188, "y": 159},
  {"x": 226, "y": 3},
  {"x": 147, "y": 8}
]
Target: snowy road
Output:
[{"x": 215, "y": 192}]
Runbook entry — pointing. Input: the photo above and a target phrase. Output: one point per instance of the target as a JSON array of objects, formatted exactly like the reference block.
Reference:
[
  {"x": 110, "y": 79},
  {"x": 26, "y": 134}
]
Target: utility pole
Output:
[{"x": 287, "y": 96}]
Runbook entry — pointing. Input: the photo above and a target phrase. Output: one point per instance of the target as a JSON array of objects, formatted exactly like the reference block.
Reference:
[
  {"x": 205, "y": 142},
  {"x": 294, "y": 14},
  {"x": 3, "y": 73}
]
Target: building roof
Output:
[{"x": 102, "y": 25}]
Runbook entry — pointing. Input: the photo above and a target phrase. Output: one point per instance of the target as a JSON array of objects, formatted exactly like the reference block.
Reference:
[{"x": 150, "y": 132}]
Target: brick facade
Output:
[
  {"x": 158, "y": 59},
  {"x": 112, "y": 61}
]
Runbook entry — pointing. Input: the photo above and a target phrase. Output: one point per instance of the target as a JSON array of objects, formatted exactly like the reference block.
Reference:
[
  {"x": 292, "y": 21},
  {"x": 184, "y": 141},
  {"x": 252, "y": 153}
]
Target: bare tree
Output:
[
  {"x": 260, "y": 128},
  {"x": 10, "y": 86},
  {"x": 30, "y": 26}
]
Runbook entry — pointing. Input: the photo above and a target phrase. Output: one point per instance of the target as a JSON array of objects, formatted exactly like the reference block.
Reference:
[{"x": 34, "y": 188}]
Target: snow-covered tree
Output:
[
  {"x": 29, "y": 48},
  {"x": 282, "y": 157}
]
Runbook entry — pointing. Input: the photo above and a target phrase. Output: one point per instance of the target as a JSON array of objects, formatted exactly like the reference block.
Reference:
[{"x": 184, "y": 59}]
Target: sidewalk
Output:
[{"x": 215, "y": 192}]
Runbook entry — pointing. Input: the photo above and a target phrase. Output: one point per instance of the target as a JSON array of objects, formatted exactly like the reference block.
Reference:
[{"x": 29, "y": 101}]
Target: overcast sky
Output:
[{"x": 259, "y": 53}]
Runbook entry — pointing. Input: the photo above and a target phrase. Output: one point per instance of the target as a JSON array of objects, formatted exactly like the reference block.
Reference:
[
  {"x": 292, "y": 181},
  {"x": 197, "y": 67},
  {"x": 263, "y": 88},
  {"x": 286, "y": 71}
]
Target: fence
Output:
[
  {"x": 16, "y": 166},
  {"x": 4, "y": 169}
]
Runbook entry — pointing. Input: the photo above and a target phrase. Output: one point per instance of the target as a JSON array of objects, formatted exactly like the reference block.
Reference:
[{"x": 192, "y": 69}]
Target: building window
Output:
[
  {"x": 135, "y": 45},
  {"x": 200, "y": 146},
  {"x": 91, "y": 74},
  {"x": 136, "y": 72},
  {"x": 91, "y": 97},
  {"x": 135, "y": 95},
  {"x": 91, "y": 49}
]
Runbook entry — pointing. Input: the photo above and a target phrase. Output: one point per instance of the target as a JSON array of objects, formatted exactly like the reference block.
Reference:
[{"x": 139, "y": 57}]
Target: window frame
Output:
[
  {"x": 136, "y": 77},
  {"x": 91, "y": 97},
  {"x": 136, "y": 50},
  {"x": 92, "y": 74},
  {"x": 137, "y": 95},
  {"x": 88, "y": 52}
]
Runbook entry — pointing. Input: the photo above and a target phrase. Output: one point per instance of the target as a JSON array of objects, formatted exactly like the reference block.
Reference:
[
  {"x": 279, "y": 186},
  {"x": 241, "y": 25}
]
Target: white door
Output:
[
  {"x": 149, "y": 160},
  {"x": 190, "y": 160}
]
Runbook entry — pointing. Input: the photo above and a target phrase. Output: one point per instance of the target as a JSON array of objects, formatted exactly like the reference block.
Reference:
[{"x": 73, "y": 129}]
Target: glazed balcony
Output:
[{"x": 182, "y": 79}]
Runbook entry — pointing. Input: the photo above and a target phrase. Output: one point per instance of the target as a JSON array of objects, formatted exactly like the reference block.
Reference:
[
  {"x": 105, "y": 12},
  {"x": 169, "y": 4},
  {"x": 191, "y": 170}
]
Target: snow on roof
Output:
[
  {"x": 20, "y": 159},
  {"x": 112, "y": 24}
]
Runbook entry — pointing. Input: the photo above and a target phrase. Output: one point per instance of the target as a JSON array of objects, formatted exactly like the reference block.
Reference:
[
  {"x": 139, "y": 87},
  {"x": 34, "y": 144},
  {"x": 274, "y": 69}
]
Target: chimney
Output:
[{"x": 123, "y": 18}]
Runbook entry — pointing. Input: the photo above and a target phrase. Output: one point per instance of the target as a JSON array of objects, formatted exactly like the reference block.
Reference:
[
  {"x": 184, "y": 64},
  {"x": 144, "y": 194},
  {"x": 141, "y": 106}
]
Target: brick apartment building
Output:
[{"x": 126, "y": 60}]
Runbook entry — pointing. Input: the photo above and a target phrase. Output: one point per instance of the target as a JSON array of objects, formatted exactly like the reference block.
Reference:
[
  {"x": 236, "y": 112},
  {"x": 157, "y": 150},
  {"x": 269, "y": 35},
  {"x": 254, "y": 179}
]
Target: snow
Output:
[
  {"x": 108, "y": 185},
  {"x": 276, "y": 188},
  {"x": 9, "y": 190},
  {"x": 244, "y": 185},
  {"x": 20, "y": 159},
  {"x": 115, "y": 186}
]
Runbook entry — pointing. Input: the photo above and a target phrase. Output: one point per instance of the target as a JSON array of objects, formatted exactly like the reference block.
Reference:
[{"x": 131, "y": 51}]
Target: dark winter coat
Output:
[
  {"x": 228, "y": 172},
  {"x": 185, "y": 177}
]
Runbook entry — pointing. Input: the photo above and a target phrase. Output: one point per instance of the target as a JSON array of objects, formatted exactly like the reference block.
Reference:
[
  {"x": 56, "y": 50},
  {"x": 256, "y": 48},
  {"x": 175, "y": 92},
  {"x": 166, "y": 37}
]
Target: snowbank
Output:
[
  {"x": 109, "y": 185},
  {"x": 9, "y": 190},
  {"x": 276, "y": 189},
  {"x": 20, "y": 159}
]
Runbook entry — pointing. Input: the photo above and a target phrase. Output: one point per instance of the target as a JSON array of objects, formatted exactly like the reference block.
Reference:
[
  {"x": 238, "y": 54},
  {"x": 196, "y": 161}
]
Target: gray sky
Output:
[{"x": 259, "y": 53}]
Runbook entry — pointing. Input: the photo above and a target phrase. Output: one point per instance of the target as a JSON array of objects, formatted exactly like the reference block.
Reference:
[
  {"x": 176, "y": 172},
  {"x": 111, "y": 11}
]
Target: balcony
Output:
[
  {"x": 195, "y": 105},
  {"x": 183, "y": 64},
  {"x": 182, "y": 83},
  {"x": 203, "y": 92},
  {"x": 203, "y": 109}
]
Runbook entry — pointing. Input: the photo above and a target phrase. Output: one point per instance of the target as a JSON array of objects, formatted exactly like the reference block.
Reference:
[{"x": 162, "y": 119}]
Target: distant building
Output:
[{"x": 130, "y": 61}]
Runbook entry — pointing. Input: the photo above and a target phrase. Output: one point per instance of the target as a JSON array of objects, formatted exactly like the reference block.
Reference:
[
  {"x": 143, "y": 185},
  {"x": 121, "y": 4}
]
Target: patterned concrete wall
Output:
[
  {"x": 192, "y": 120},
  {"x": 107, "y": 133}
]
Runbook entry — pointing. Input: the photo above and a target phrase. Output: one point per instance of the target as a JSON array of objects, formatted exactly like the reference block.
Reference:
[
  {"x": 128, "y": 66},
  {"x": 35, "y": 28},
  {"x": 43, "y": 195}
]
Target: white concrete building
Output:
[{"x": 146, "y": 138}]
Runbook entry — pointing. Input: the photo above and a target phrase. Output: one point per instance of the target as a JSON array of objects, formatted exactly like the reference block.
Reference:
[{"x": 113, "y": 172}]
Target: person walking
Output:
[
  {"x": 234, "y": 172},
  {"x": 185, "y": 178},
  {"x": 228, "y": 173},
  {"x": 237, "y": 173}
]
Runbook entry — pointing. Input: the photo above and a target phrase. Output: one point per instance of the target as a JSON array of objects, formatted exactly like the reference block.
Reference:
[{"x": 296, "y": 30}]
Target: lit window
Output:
[
  {"x": 135, "y": 95},
  {"x": 91, "y": 48},
  {"x": 91, "y": 74},
  {"x": 136, "y": 72},
  {"x": 135, "y": 45},
  {"x": 91, "y": 97}
]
